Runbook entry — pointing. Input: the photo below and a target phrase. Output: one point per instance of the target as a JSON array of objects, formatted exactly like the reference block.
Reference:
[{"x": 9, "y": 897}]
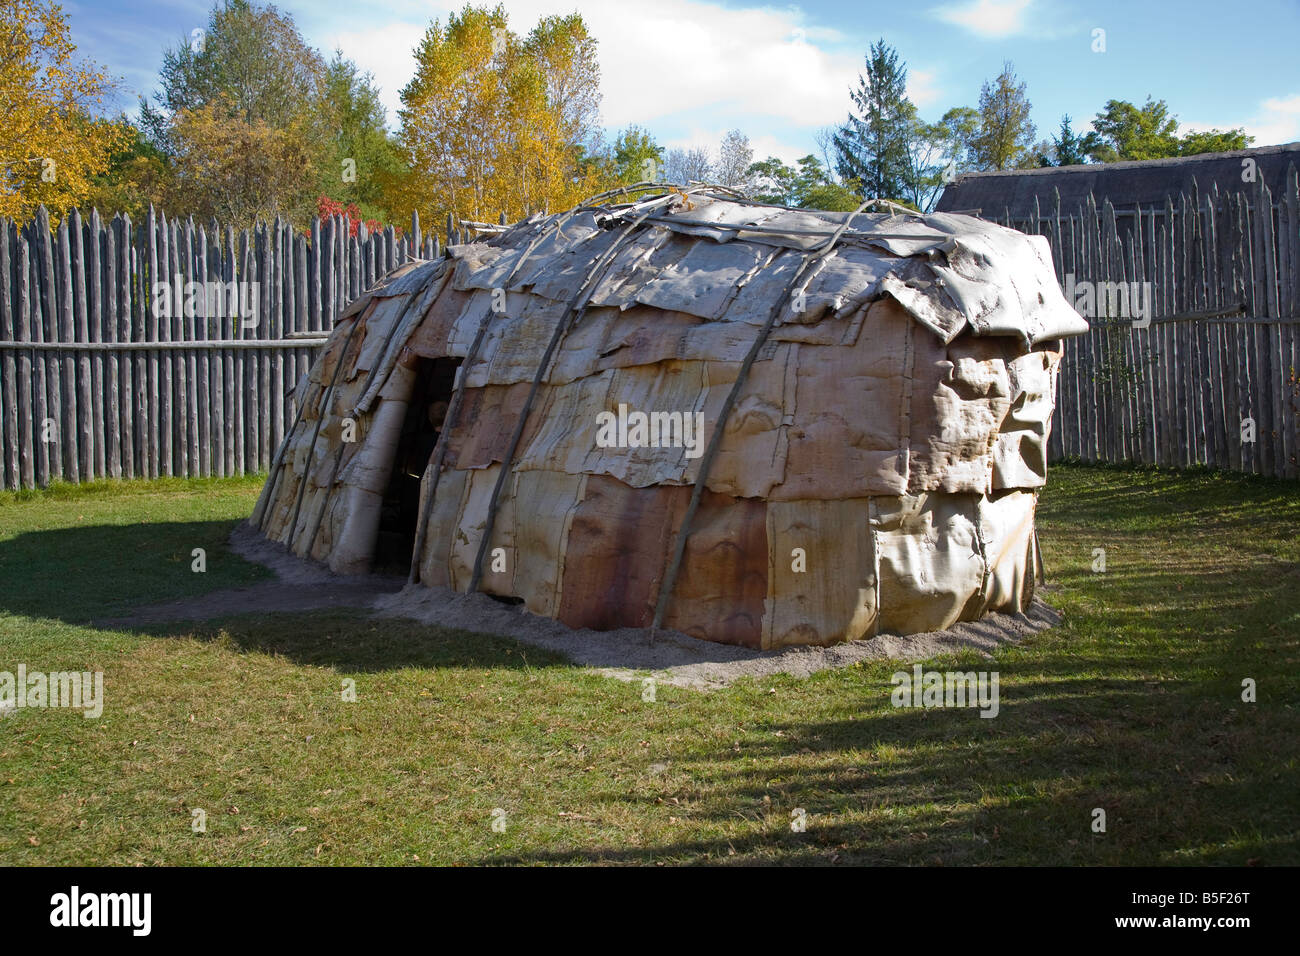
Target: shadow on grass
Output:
[
  {"x": 1134, "y": 706},
  {"x": 1111, "y": 496},
  {"x": 92, "y": 572},
  {"x": 107, "y": 575},
  {"x": 1184, "y": 773},
  {"x": 353, "y": 641}
]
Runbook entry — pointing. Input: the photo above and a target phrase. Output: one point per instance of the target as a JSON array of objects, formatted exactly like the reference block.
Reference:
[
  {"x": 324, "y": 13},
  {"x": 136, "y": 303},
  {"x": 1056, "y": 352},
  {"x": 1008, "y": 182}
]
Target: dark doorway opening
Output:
[{"x": 425, "y": 415}]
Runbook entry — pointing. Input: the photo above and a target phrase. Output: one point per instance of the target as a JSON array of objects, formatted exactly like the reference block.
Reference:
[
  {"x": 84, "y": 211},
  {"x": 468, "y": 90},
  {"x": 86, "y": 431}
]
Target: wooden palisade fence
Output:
[
  {"x": 96, "y": 381},
  {"x": 1216, "y": 367}
]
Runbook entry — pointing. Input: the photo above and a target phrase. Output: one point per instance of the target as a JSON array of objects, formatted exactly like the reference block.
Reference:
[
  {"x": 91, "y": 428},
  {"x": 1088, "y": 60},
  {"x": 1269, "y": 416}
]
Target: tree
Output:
[
  {"x": 1067, "y": 147},
  {"x": 1214, "y": 141},
  {"x": 1038, "y": 156},
  {"x": 926, "y": 162},
  {"x": 734, "y": 160},
  {"x": 826, "y": 152},
  {"x": 138, "y": 175},
  {"x": 1006, "y": 132},
  {"x": 773, "y": 182},
  {"x": 248, "y": 82},
  {"x": 930, "y": 162},
  {"x": 52, "y": 148},
  {"x": 567, "y": 55},
  {"x": 1124, "y": 131},
  {"x": 1064, "y": 149},
  {"x": 637, "y": 157},
  {"x": 252, "y": 59},
  {"x": 815, "y": 189},
  {"x": 481, "y": 129},
  {"x": 937, "y": 153},
  {"x": 240, "y": 172},
  {"x": 358, "y": 164},
  {"x": 688, "y": 165},
  {"x": 871, "y": 147},
  {"x": 809, "y": 186},
  {"x": 957, "y": 130}
]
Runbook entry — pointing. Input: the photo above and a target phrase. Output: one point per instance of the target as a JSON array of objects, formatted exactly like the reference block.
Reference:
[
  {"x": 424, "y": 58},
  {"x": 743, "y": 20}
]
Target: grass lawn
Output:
[{"x": 1133, "y": 705}]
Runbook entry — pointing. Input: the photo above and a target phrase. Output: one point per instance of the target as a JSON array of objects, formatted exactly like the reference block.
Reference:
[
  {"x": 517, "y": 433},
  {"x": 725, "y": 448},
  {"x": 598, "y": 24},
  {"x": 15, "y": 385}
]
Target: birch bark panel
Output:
[
  {"x": 616, "y": 550},
  {"x": 821, "y": 573}
]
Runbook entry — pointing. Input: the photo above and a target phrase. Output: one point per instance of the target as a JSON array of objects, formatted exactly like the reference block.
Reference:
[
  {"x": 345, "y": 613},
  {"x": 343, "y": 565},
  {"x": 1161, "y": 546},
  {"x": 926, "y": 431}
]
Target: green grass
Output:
[
  {"x": 1132, "y": 705},
  {"x": 92, "y": 551}
]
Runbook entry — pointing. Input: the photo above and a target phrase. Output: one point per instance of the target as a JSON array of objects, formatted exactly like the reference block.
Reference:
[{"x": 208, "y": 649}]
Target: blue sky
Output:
[{"x": 689, "y": 70}]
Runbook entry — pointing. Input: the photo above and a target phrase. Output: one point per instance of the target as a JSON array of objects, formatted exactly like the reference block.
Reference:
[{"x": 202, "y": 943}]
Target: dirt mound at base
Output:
[
  {"x": 626, "y": 654},
  {"x": 675, "y": 658}
]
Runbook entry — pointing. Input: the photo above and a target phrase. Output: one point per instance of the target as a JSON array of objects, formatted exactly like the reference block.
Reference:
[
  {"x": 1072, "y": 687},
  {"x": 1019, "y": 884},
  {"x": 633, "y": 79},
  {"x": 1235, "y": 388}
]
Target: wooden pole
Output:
[{"x": 12, "y": 476}]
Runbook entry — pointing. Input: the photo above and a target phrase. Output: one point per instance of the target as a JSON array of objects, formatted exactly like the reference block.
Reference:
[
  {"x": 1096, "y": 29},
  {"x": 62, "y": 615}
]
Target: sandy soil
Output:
[
  {"x": 675, "y": 658},
  {"x": 626, "y": 654}
]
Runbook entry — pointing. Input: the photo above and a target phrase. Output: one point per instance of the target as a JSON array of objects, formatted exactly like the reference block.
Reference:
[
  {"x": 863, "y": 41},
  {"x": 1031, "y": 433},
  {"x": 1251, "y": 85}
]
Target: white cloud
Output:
[
  {"x": 1277, "y": 121},
  {"x": 695, "y": 55},
  {"x": 676, "y": 59},
  {"x": 765, "y": 146},
  {"x": 387, "y": 52},
  {"x": 922, "y": 88},
  {"x": 990, "y": 19}
]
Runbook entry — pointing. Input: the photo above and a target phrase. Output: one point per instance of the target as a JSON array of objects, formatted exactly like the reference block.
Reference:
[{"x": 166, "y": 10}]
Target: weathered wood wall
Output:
[
  {"x": 1217, "y": 365},
  {"x": 96, "y": 382}
]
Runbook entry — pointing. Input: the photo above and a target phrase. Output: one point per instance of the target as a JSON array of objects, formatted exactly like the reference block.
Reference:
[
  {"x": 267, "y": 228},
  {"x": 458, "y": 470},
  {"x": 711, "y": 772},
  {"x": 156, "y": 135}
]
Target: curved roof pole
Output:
[
  {"x": 259, "y": 514},
  {"x": 329, "y": 397},
  {"x": 320, "y": 420},
  {"x": 813, "y": 256},
  {"x": 574, "y": 310},
  {"x": 273, "y": 482},
  {"x": 457, "y": 398}
]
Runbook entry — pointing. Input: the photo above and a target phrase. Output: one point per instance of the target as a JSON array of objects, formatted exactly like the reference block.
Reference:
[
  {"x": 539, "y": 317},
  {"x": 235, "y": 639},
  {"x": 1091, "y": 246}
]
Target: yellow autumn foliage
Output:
[
  {"x": 239, "y": 171},
  {"x": 50, "y": 146},
  {"x": 483, "y": 128}
]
